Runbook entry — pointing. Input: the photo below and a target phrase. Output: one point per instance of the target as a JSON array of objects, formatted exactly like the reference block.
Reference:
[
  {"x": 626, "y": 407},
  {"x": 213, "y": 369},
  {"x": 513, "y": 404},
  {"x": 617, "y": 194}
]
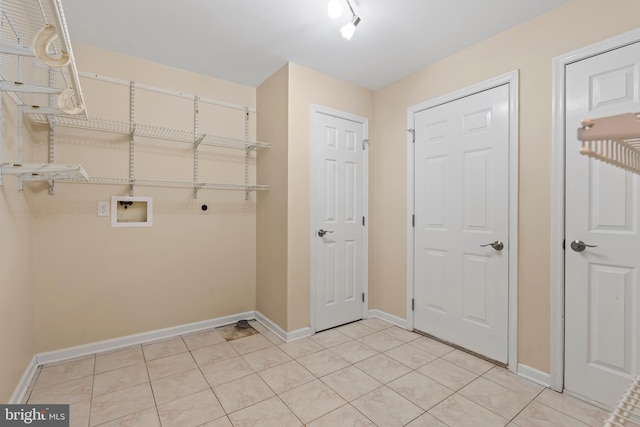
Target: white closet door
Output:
[
  {"x": 339, "y": 229},
  {"x": 602, "y": 323},
  {"x": 461, "y": 204}
]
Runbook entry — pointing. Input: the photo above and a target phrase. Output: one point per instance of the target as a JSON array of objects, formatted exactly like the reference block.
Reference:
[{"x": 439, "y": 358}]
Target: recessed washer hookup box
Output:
[{"x": 34, "y": 415}]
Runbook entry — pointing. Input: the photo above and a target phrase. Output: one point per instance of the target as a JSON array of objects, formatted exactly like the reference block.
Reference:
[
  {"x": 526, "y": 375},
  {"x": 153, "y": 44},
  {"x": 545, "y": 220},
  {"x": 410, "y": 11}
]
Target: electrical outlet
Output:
[{"x": 103, "y": 208}]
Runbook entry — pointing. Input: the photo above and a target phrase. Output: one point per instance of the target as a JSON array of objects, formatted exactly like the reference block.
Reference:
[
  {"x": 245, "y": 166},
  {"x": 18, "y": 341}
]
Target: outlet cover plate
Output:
[{"x": 103, "y": 208}]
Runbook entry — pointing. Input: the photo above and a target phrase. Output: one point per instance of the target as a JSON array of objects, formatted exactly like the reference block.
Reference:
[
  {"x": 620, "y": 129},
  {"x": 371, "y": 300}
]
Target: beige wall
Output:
[
  {"x": 95, "y": 282},
  {"x": 272, "y": 99},
  {"x": 16, "y": 259},
  {"x": 529, "y": 47},
  {"x": 308, "y": 87},
  {"x": 288, "y": 241}
]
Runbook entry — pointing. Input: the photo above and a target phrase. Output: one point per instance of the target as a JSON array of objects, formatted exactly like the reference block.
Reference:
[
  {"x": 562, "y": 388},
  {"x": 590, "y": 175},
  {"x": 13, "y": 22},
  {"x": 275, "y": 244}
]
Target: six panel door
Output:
[
  {"x": 339, "y": 200},
  {"x": 602, "y": 209},
  {"x": 461, "y": 204}
]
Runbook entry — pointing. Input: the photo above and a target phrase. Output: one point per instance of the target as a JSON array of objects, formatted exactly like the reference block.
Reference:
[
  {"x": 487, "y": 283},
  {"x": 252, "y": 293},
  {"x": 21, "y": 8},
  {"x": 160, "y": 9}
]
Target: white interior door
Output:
[
  {"x": 602, "y": 209},
  {"x": 339, "y": 229},
  {"x": 461, "y": 206}
]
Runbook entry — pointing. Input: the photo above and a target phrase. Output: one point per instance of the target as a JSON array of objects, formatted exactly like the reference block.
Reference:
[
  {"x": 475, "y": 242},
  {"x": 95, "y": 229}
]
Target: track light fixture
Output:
[{"x": 350, "y": 28}]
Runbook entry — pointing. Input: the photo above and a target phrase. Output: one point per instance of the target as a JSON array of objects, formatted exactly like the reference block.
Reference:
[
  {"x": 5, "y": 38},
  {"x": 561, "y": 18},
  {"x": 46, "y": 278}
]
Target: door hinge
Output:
[
  {"x": 413, "y": 304},
  {"x": 413, "y": 134},
  {"x": 413, "y": 221},
  {"x": 563, "y": 244},
  {"x": 364, "y": 143},
  {"x": 363, "y": 221},
  {"x": 363, "y": 297}
]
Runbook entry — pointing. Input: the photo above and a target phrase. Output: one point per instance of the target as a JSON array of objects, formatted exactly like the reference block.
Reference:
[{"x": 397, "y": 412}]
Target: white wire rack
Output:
[
  {"x": 628, "y": 408},
  {"x": 23, "y": 66},
  {"x": 149, "y": 131},
  {"x": 614, "y": 140},
  {"x": 158, "y": 133},
  {"x": 175, "y": 184},
  {"x": 44, "y": 171}
]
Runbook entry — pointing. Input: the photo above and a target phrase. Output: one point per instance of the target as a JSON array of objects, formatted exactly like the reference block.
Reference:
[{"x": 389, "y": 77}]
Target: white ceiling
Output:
[{"x": 245, "y": 41}]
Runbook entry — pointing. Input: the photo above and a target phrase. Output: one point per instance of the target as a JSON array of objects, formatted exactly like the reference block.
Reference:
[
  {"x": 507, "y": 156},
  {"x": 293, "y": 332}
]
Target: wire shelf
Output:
[
  {"x": 614, "y": 140},
  {"x": 21, "y": 21},
  {"x": 173, "y": 184},
  {"x": 149, "y": 131},
  {"x": 44, "y": 171},
  {"x": 628, "y": 407}
]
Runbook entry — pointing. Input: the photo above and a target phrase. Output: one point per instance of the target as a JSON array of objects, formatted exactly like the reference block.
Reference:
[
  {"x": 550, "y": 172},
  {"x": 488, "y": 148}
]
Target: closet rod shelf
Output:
[{"x": 149, "y": 131}]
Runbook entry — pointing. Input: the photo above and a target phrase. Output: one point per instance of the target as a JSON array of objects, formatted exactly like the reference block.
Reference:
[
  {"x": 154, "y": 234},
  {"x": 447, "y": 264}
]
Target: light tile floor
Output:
[{"x": 368, "y": 373}]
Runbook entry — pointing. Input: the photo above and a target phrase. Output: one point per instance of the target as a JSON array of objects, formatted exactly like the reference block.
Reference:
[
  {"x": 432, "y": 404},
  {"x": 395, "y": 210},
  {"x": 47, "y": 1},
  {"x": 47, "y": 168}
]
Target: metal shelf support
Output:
[
  {"x": 246, "y": 152},
  {"x": 52, "y": 129},
  {"x": 132, "y": 136},
  {"x": 197, "y": 139}
]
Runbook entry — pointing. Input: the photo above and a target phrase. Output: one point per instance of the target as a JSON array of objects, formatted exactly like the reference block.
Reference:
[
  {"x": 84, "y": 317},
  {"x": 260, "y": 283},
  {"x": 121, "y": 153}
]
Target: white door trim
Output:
[
  {"x": 511, "y": 79},
  {"x": 557, "y": 200},
  {"x": 315, "y": 109}
]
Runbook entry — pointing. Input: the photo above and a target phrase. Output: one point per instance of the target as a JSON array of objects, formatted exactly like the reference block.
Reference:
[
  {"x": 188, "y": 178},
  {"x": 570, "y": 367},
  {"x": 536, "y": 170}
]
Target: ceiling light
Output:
[
  {"x": 334, "y": 9},
  {"x": 348, "y": 30}
]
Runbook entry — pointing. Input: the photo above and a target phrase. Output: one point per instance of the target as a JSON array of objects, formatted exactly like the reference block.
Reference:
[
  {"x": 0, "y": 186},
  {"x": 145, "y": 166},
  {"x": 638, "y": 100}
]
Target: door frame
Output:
[
  {"x": 558, "y": 196},
  {"x": 318, "y": 109},
  {"x": 512, "y": 80}
]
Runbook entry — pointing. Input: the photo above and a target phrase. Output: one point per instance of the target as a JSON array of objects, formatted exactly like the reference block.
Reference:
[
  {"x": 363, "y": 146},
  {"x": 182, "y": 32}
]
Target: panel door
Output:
[
  {"x": 461, "y": 205},
  {"x": 601, "y": 283},
  {"x": 339, "y": 201}
]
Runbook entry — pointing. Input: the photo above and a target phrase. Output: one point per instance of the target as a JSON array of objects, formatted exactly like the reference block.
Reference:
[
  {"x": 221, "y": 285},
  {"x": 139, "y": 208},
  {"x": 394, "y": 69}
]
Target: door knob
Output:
[
  {"x": 497, "y": 245},
  {"x": 322, "y": 232},
  {"x": 579, "y": 245}
]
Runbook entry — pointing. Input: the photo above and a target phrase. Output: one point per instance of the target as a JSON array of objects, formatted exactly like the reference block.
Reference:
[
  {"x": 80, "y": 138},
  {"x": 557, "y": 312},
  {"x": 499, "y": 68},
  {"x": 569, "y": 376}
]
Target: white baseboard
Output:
[
  {"x": 25, "y": 382},
  {"x": 398, "y": 321},
  {"x": 299, "y": 334},
  {"x": 281, "y": 333},
  {"x": 272, "y": 326},
  {"x": 534, "y": 375},
  {"x": 126, "y": 341},
  {"x": 145, "y": 337}
]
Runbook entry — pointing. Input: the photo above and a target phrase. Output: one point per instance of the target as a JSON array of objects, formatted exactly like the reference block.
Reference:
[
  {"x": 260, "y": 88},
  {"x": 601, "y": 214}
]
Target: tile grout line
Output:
[
  {"x": 331, "y": 349},
  {"x": 226, "y": 414},
  {"x": 93, "y": 382},
  {"x": 347, "y": 403},
  {"x": 153, "y": 394},
  {"x": 512, "y": 420}
]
